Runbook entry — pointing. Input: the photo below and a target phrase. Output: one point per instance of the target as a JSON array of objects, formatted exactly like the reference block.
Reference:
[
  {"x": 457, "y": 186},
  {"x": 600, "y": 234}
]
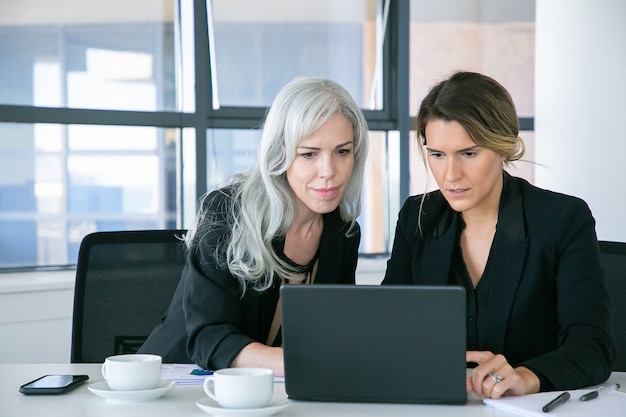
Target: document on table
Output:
[
  {"x": 184, "y": 374},
  {"x": 189, "y": 374},
  {"x": 611, "y": 404}
]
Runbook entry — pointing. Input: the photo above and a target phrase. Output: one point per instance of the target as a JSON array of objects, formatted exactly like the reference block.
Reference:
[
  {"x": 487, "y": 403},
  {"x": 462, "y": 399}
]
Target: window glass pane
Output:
[
  {"x": 58, "y": 183},
  {"x": 229, "y": 151},
  {"x": 262, "y": 45},
  {"x": 88, "y": 54},
  {"x": 374, "y": 207},
  {"x": 493, "y": 37},
  {"x": 187, "y": 195}
]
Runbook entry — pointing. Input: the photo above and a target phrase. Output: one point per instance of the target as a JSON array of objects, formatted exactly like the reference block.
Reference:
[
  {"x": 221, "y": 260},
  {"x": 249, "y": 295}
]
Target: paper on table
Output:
[
  {"x": 183, "y": 374},
  {"x": 606, "y": 405}
]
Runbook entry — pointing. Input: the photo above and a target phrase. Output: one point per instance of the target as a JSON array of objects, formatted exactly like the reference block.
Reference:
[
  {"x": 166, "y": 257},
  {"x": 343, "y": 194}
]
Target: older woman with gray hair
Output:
[{"x": 291, "y": 220}]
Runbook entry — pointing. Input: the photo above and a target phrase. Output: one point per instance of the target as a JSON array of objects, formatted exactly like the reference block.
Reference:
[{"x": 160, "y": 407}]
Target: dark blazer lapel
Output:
[
  {"x": 438, "y": 250},
  {"x": 511, "y": 245}
]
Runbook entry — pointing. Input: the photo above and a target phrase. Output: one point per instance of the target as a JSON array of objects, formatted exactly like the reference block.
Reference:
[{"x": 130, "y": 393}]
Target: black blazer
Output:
[
  {"x": 208, "y": 323},
  {"x": 548, "y": 306}
]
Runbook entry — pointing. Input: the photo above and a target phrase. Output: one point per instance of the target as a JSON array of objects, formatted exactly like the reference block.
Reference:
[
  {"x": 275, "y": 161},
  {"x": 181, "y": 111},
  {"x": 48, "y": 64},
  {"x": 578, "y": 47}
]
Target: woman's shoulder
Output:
[
  {"x": 535, "y": 195},
  {"x": 215, "y": 213},
  {"x": 549, "y": 207},
  {"x": 218, "y": 201}
]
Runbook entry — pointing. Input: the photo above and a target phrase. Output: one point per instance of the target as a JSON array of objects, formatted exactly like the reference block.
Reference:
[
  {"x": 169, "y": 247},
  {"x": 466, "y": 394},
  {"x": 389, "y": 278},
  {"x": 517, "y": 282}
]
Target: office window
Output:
[
  {"x": 59, "y": 182},
  {"x": 120, "y": 115}
]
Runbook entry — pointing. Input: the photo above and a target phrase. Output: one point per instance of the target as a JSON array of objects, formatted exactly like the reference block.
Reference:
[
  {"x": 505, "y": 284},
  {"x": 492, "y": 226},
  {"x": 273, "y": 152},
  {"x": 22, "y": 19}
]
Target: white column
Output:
[{"x": 580, "y": 106}]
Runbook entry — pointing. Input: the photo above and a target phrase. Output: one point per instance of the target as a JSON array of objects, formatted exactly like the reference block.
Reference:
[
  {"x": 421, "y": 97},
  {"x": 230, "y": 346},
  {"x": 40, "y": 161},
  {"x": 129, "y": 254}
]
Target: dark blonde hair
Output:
[{"x": 482, "y": 106}]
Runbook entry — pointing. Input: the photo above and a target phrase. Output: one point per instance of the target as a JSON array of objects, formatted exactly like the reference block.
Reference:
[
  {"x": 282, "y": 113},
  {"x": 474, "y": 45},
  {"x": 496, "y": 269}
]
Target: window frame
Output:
[{"x": 393, "y": 116}]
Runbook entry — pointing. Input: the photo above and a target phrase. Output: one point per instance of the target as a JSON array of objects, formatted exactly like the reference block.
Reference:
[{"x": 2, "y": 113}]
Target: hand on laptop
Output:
[{"x": 494, "y": 377}]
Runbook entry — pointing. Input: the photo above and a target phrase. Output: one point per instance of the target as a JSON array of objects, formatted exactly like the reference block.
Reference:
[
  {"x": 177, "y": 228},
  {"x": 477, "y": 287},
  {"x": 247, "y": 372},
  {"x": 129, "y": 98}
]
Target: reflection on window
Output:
[
  {"x": 117, "y": 55},
  {"x": 58, "y": 183}
]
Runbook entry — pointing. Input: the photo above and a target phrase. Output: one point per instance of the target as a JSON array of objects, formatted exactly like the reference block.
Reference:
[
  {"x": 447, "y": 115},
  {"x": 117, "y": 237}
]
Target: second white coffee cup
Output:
[
  {"x": 241, "y": 387},
  {"x": 132, "y": 372}
]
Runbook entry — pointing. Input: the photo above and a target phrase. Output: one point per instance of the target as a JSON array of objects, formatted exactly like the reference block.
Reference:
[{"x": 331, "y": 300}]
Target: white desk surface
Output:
[{"x": 181, "y": 401}]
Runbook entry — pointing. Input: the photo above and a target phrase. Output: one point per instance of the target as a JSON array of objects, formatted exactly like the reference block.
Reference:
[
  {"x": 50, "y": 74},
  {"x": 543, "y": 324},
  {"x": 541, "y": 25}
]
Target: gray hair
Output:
[{"x": 263, "y": 205}]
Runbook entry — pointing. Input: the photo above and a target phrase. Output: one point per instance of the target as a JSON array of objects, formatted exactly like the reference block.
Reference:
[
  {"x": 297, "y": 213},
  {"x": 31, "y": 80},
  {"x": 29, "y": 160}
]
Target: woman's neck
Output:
[{"x": 303, "y": 239}]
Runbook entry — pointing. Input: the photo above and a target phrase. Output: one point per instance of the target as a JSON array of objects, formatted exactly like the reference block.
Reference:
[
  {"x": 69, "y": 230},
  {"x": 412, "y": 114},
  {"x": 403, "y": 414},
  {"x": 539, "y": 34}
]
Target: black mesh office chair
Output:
[
  {"x": 124, "y": 283},
  {"x": 613, "y": 260}
]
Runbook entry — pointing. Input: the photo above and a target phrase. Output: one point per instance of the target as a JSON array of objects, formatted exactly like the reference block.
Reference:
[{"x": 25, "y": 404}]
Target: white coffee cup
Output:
[
  {"x": 241, "y": 387},
  {"x": 132, "y": 372}
]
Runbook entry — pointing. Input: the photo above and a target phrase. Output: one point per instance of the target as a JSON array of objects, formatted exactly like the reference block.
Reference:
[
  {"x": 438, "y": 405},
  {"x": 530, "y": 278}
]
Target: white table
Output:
[{"x": 181, "y": 401}]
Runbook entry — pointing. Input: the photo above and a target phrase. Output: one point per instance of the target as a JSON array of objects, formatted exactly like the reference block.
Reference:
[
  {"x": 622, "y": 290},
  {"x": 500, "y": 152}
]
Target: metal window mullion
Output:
[
  {"x": 399, "y": 77},
  {"x": 203, "y": 92}
]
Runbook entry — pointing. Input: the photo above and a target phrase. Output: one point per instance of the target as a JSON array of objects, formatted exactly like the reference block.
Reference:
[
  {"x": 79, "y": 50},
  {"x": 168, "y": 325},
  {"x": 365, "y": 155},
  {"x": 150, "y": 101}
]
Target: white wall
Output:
[
  {"x": 580, "y": 105},
  {"x": 36, "y": 317}
]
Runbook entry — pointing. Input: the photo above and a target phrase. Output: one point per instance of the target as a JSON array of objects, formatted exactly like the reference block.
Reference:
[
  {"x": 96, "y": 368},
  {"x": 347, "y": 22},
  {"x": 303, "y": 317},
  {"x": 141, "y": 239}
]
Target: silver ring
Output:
[{"x": 496, "y": 378}]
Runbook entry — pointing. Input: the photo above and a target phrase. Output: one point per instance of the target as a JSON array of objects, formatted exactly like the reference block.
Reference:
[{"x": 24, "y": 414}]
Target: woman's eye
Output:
[
  {"x": 344, "y": 152},
  {"x": 469, "y": 154},
  {"x": 436, "y": 155},
  {"x": 307, "y": 155}
]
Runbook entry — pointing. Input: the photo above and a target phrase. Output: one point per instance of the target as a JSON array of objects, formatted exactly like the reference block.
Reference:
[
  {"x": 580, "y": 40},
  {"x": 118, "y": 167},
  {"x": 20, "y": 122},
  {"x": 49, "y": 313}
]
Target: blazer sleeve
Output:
[
  {"x": 213, "y": 307},
  {"x": 213, "y": 315},
  {"x": 586, "y": 353},
  {"x": 220, "y": 322}
]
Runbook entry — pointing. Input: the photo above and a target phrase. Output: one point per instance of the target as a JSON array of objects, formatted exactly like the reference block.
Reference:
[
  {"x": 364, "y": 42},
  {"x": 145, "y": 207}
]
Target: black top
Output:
[
  {"x": 477, "y": 299},
  {"x": 548, "y": 304},
  {"x": 208, "y": 322}
]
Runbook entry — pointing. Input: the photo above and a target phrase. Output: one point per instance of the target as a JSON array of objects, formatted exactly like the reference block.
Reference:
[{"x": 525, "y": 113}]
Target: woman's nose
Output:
[
  {"x": 453, "y": 170},
  {"x": 327, "y": 167}
]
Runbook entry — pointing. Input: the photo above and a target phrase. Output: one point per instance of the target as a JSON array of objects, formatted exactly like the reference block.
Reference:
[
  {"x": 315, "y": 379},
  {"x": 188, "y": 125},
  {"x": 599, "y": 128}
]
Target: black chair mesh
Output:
[
  {"x": 124, "y": 284},
  {"x": 613, "y": 260}
]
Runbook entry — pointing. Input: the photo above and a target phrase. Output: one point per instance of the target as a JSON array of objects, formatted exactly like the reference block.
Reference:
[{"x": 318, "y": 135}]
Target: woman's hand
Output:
[
  {"x": 494, "y": 377},
  {"x": 258, "y": 355}
]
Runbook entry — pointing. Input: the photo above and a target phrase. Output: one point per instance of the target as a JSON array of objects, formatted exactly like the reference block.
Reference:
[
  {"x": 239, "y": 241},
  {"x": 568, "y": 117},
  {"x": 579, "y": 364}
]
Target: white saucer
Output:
[
  {"x": 101, "y": 389},
  {"x": 210, "y": 406}
]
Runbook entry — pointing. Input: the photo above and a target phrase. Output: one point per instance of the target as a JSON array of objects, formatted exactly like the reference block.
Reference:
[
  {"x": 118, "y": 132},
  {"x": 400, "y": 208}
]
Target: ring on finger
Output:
[{"x": 496, "y": 378}]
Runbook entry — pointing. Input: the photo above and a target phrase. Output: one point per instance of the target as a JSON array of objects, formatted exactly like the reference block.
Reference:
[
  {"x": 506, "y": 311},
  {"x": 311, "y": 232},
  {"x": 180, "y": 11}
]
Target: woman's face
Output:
[
  {"x": 321, "y": 170},
  {"x": 469, "y": 176}
]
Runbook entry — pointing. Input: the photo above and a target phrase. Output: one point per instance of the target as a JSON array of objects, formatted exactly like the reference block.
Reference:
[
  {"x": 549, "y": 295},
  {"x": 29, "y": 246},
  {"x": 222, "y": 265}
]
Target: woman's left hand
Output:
[{"x": 494, "y": 377}]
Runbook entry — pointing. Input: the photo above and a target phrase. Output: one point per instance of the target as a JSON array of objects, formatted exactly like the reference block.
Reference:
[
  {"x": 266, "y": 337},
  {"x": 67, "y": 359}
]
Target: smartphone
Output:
[{"x": 53, "y": 384}]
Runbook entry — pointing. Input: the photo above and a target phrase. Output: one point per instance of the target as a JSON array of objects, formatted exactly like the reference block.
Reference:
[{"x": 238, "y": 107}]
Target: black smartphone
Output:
[{"x": 53, "y": 384}]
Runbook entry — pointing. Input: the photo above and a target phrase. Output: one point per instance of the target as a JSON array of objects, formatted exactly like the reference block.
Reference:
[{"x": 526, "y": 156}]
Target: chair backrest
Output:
[
  {"x": 124, "y": 283},
  {"x": 613, "y": 260}
]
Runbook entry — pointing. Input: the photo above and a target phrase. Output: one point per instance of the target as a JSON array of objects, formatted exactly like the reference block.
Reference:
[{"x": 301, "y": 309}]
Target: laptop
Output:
[{"x": 366, "y": 343}]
